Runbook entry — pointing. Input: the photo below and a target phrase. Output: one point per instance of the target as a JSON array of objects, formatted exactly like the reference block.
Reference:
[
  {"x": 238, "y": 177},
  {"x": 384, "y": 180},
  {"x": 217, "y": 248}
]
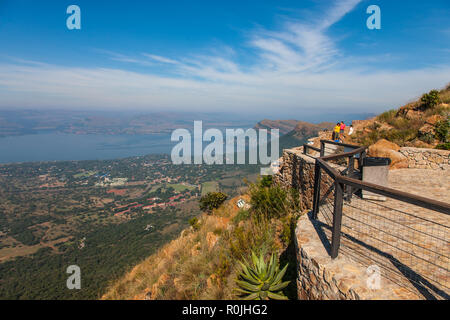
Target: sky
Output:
[{"x": 278, "y": 58}]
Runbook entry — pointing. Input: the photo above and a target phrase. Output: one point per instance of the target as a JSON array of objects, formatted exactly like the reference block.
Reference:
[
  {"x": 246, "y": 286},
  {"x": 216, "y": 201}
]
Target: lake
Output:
[{"x": 54, "y": 146}]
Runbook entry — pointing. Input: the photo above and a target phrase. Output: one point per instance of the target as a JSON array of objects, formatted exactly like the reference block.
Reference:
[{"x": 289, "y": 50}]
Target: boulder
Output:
[
  {"x": 387, "y": 149},
  {"x": 432, "y": 120},
  {"x": 416, "y": 143},
  {"x": 360, "y": 125},
  {"x": 426, "y": 129},
  {"x": 385, "y": 144},
  {"x": 413, "y": 114}
]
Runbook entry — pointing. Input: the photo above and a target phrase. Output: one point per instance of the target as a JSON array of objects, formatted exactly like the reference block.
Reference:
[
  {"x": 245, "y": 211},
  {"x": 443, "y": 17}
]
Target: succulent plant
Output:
[{"x": 262, "y": 281}]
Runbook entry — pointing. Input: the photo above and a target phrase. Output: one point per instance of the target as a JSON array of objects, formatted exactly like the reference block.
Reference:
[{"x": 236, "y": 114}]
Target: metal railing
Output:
[{"x": 407, "y": 235}]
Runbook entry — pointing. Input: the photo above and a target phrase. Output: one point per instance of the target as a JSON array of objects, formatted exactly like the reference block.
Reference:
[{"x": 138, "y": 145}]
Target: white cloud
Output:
[
  {"x": 160, "y": 59},
  {"x": 295, "y": 69}
]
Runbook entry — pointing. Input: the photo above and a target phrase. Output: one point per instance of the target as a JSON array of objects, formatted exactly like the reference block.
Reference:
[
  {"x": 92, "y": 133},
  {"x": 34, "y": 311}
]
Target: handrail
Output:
[
  {"x": 343, "y": 155},
  {"x": 307, "y": 146},
  {"x": 398, "y": 195},
  {"x": 329, "y": 169},
  {"x": 340, "y": 144},
  {"x": 385, "y": 191}
]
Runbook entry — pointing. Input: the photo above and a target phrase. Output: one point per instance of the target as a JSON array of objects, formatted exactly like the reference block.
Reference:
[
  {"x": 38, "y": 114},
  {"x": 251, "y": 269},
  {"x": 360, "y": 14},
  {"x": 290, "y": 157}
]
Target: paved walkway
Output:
[{"x": 409, "y": 245}]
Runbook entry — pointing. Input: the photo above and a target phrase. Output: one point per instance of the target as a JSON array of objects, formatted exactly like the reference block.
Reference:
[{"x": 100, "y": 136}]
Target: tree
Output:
[
  {"x": 430, "y": 99},
  {"x": 442, "y": 129},
  {"x": 211, "y": 201}
]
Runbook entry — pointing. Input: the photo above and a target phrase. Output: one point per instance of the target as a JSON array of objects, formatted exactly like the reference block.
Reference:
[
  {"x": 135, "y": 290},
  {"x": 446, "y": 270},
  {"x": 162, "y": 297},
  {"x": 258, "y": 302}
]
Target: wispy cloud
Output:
[
  {"x": 160, "y": 59},
  {"x": 296, "y": 68}
]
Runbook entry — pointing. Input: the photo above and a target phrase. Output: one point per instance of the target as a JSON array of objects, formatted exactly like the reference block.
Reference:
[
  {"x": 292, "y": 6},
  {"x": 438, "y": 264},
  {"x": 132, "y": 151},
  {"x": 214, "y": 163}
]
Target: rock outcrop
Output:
[{"x": 387, "y": 149}]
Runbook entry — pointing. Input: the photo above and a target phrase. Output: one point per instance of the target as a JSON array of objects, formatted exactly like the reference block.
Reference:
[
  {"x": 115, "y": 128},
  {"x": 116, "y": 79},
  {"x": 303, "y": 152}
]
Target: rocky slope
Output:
[{"x": 423, "y": 123}]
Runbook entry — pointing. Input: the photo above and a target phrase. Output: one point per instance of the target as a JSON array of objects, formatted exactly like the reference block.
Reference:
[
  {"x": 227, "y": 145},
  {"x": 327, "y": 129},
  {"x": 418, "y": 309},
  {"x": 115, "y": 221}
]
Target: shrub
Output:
[
  {"x": 193, "y": 222},
  {"x": 262, "y": 281},
  {"x": 268, "y": 201},
  {"x": 266, "y": 181},
  {"x": 211, "y": 201},
  {"x": 387, "y": 116},
  {"x": 442, "y": 130},
  {"x": 427, "y": 138},
  {"x": 430, "y": 99},
  {"x": 255, "y": 234},
  {"x": 445, "y": 95},
  {"x": 241, "y": 215},
  {"x": 443, "y": 146}
]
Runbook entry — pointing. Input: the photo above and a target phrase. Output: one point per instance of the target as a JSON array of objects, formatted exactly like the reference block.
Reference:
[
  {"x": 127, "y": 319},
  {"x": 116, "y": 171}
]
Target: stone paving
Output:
[{"x": 409, "y": 244}]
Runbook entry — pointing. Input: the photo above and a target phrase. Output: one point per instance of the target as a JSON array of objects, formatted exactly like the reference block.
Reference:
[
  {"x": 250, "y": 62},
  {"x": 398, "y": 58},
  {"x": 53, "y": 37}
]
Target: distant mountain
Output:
[
  {"x": 284, "y": 126},
  {"x": 294, "y": 133}
]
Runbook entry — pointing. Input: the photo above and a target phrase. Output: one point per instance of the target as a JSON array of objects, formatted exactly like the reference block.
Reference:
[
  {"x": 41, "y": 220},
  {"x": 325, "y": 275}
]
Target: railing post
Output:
[
  {"x": 362, "y": 155},
  {"x": 337, "y": 219},
  {"x": 350, "y": 170},
  {"x": 316, "y": 199},
  {"x": 305, "y": 149},
  {"x": 322, "y": 148}
]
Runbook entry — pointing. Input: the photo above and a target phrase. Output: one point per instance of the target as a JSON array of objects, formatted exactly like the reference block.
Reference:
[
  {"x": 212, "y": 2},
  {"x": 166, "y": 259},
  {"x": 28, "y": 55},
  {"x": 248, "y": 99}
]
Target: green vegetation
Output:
[
  {"x": 421, "y": 123},
  {"x": 211, "y": 201},
  {"x": 203, "y": 263},
  {"x": 442, "y": 129},
  {"x": 387, "y": 116},
  {"x": 271, "y": 200},
  {"x": 443, "y": 146},
  {"x": 242, "y": 215},
  {"x": 262, "y": 281},
  {"x": 180, "y": 187},
  {"x": 47, "y": 208},
  {"x": 109, "y": 252},
  {"x": 431, "y": 99},
  {"x": 210, "y": 186},
  {"x": 84, "y": 174},
  {"x": 193, "y": 222}
]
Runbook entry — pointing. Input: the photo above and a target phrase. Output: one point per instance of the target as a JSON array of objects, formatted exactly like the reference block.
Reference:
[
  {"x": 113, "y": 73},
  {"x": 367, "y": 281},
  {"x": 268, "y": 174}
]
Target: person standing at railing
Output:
[
  {"x": 342, "y": 129},
  {"x": 350, "y": 131},
  {"x": 336, "y": 131}
]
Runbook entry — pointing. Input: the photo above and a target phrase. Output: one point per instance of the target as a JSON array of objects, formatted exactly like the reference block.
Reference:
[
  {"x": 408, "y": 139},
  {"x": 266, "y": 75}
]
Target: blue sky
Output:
[{"x": 279, "y": 58}]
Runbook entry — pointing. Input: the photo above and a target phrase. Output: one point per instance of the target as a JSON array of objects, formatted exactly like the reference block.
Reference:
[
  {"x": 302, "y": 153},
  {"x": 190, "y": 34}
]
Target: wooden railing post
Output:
[
  {"x": 322, "y": 148},
  {"x": 316, "y": 199},
  {"x": 350, "y": 170},
  {"x": 362, "y": 155},
  {"x": 337, "y": 219}
]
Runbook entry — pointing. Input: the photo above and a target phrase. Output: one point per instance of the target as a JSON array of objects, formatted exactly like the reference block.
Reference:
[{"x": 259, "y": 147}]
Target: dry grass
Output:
[{"x": 203, "y": 263}]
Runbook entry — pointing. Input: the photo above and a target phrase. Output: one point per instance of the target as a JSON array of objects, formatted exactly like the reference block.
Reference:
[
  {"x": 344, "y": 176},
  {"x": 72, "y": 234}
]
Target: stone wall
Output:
[
  {"x": 297, "y": 171},
  {"x": 421, "y": 158}
]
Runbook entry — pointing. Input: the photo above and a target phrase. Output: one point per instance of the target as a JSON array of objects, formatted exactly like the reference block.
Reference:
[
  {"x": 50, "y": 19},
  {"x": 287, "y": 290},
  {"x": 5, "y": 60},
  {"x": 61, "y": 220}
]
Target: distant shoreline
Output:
[{"x": 51, "y": 147}]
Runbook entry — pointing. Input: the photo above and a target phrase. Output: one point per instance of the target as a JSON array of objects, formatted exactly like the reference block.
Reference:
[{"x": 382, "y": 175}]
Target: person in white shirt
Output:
[{"x": 350, "y": 130}]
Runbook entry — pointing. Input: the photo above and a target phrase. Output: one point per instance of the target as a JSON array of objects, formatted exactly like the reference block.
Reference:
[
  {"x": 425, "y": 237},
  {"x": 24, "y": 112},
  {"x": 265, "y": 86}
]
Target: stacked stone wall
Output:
[
  {"x": 297, "y": 171},
  {"x": 421, "y": 158}
]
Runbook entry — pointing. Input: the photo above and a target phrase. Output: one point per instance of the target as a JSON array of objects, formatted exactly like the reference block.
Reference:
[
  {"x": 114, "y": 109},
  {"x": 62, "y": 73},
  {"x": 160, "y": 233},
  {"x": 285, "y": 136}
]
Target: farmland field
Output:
[
  {"x": 181, "y": 187},
  {"x": 210, "y": 186}
]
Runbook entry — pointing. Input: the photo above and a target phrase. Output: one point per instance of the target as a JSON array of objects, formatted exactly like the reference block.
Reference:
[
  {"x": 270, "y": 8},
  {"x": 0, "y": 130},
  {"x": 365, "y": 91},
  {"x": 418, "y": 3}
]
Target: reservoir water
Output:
[{"x": 54, "y": 146}]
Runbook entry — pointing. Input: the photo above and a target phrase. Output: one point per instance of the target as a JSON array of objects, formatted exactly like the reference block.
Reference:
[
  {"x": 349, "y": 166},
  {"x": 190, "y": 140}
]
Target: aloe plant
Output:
[{"x": 261, "y": 281}]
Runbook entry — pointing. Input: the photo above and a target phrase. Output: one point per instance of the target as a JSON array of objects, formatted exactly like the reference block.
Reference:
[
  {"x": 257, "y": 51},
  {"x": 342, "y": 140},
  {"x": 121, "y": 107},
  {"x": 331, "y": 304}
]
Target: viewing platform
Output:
[{"x": 356, "y": 248}]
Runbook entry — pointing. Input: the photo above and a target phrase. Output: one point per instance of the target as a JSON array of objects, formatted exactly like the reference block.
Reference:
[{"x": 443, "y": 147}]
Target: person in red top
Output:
[{"x": 342, "y": 130}]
